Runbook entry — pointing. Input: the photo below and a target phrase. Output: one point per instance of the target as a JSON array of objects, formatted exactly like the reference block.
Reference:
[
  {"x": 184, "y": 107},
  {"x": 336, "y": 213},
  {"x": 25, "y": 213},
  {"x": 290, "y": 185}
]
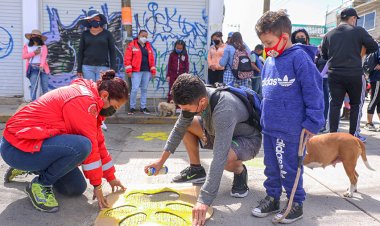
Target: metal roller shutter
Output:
[
  {"x": 11, "y": 43},
  {"x": 166, "y": 22}
]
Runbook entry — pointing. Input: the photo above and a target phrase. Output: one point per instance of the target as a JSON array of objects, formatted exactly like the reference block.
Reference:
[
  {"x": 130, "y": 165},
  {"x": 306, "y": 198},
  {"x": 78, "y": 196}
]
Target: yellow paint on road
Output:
[{"x": 153, "y": 136}]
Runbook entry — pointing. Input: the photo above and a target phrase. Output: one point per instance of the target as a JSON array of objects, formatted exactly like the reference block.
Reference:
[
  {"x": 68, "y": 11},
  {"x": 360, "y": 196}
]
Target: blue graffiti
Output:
[
  {"x": 166, "y": 26},
  {"x": 6, "y": 43},
  {"x": 63, "y": 43}
]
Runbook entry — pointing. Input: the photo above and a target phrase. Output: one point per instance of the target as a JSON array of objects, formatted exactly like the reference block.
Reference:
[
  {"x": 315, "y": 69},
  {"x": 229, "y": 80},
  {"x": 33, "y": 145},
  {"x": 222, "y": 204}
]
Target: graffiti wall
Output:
[
  {"x": 63, "y": 42},
  {"x": 6, "y": 43},
  {"x": 167, "y": 22}
]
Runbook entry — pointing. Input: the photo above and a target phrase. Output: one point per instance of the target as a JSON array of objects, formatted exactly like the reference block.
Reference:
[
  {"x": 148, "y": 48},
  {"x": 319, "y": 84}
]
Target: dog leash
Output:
[{"x": 301, "y": 149}]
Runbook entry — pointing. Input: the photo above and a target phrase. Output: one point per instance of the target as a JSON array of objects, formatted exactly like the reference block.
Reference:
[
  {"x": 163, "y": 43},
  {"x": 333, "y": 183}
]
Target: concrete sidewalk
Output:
[
  {"x": 133, "y": 146},
  {"x": 9, "y": 107}
]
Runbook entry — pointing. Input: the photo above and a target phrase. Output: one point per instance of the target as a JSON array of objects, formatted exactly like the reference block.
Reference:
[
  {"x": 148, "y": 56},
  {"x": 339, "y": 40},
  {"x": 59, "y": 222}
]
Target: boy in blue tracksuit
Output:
[{"x": 292, "y": 101}]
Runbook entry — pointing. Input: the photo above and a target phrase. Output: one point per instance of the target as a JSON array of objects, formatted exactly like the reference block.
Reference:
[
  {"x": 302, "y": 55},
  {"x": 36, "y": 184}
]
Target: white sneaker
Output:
[
  {"x": 370, "y": 127},
  {"x": 104, "y": 127}
]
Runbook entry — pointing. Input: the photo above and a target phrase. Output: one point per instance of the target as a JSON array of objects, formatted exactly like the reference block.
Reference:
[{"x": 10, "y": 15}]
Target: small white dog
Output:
[{"x": 165, "y": 108}]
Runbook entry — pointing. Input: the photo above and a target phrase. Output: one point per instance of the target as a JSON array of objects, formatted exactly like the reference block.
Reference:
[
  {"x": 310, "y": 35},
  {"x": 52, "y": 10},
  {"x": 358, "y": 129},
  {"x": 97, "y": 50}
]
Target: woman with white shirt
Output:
[{"x": 37, "y": 68}]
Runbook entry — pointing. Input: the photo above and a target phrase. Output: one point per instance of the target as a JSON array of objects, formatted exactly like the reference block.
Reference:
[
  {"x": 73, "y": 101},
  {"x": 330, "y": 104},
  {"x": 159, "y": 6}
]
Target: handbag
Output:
[{"x": 29, "y": 70}]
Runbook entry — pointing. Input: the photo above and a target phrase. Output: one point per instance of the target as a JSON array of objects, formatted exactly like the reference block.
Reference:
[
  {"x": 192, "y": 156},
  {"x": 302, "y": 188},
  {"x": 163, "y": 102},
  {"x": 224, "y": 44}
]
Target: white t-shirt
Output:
[{"x": 37, "y": 58}]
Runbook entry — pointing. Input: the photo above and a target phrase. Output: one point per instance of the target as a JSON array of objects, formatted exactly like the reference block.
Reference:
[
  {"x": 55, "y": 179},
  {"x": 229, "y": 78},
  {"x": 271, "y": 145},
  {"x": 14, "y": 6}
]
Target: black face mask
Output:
[
  {"x": 301, "y": 40},
  {"x": 189, "y": 114},
  {"x": 107, "y": 112},
  {"x": 217, "y": 42},
  {"x": 36, "y": 40},
  {"x": 95, "y": 24}
]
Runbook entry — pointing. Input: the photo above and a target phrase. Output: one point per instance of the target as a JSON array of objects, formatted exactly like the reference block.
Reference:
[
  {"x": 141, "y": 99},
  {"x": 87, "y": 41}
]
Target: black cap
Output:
[{"x": 348, "y": 12}]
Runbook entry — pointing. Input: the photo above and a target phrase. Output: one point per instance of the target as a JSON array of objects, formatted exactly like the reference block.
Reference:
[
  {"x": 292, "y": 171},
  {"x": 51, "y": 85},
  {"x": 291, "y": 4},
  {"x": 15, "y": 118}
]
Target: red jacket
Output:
[
  {"x": 133, "y": 57},
  {"x": 177, "y": 65},
  {"x": 71, "y": 109}
]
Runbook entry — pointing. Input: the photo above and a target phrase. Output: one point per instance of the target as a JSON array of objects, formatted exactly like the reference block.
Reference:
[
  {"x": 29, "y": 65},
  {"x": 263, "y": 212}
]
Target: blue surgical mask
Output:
[
  {"x": 178, "y": 51},
  {"x": 95, "y": 24}
]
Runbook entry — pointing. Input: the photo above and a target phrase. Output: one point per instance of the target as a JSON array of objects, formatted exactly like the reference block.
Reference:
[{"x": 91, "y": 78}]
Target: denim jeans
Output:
[
  {"x": 93, "y": 72},
  {"x": 56, "y": 163},
  {"x": 36, "y": 80},
  {"x": 256, "y": 85},
  {"x": 139, "y": 80}
]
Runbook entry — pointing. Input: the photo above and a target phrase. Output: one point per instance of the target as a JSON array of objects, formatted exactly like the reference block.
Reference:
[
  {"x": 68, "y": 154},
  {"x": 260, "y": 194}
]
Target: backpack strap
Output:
[
  {"x": 248, "y": 101},
  {"x": 214, "y": 98}
]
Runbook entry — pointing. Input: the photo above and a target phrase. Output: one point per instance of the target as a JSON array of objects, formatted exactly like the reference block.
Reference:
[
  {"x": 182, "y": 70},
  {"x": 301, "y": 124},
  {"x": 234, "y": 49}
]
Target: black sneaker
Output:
[
  {"x": 196, "y": 175},
  {"x": 239, "y": 187},
  {"x": 131, "y": 111},
  {"x": 295, "y": 213},
  {"x": 145, "y": 111},
  {"x": 266, "y": 207}
]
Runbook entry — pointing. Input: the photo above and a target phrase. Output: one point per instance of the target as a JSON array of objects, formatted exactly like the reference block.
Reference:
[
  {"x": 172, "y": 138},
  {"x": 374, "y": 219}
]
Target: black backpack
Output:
[
  {"x": 241, "y": 65},
  {"x": 370, "y": 62}
]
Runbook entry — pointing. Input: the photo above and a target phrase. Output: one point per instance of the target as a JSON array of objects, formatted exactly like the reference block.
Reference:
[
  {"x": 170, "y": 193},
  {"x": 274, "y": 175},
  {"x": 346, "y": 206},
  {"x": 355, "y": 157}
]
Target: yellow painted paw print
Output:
[
  {"x": 152, "y": 136},
  {"x": 152, "y": 207}
]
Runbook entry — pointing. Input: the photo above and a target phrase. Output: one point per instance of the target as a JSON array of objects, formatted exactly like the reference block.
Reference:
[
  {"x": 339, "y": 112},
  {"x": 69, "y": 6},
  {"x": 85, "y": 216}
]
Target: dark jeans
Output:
[
  {"x": 256, "y": 85},
  {"x": 56, "y": 163},
  {"x": 326, "y": 96},
  {"x": 215, "y": 76},
  {"x": 339, "y": 86}
]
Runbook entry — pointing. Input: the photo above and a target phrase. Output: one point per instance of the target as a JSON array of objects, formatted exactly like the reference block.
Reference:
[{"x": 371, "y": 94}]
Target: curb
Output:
[
  {"x": 4, "y": 117},
  {"x": 123, "y": 118},
  {"x": 118, "y": 118}
]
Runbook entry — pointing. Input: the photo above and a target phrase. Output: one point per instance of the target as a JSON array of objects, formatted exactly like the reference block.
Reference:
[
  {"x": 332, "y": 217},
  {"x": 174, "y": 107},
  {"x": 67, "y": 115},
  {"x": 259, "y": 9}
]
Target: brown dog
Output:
[{"x": 329, "y": 149}]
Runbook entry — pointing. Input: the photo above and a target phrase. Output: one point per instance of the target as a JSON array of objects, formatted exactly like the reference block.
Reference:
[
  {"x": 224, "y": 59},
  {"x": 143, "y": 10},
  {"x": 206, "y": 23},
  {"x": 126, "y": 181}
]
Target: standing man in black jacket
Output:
[{"x": 342, "y": 47}]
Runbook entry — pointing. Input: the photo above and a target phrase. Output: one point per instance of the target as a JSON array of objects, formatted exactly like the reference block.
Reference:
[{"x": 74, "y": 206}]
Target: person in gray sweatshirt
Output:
[{"x": 225, "y": 131}]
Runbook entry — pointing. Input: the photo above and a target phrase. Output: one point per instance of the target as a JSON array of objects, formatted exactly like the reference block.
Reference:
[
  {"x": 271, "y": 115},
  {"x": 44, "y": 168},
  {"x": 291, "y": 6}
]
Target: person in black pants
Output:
[
  {"x": 342, "y": 48},
  {"x": 322, "y": 68},
  {"x": 374, "y": 104}
]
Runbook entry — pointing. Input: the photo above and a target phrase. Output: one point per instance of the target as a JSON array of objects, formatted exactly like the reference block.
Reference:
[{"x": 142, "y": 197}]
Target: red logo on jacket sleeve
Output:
[{"x": 93, "y": 110}]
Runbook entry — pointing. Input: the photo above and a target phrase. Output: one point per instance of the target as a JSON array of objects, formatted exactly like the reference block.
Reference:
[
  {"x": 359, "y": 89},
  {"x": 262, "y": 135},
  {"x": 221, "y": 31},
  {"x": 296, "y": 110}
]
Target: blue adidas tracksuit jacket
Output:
[{"x": 292, "y": 100}]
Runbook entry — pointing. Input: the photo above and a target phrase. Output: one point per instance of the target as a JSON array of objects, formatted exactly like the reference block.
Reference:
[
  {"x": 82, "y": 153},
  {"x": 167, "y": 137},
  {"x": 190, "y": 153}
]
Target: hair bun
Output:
[{"x": 108, "y": 75}]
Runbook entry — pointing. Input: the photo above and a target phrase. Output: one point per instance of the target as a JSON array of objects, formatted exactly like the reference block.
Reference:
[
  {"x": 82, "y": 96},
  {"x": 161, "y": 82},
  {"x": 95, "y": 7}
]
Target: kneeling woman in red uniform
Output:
[{"x": 55, "y": 134}]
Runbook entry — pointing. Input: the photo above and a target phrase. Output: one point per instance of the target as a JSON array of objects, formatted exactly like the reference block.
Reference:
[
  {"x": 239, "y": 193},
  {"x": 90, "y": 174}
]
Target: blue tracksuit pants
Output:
[{"x": 281, "y": 161}]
